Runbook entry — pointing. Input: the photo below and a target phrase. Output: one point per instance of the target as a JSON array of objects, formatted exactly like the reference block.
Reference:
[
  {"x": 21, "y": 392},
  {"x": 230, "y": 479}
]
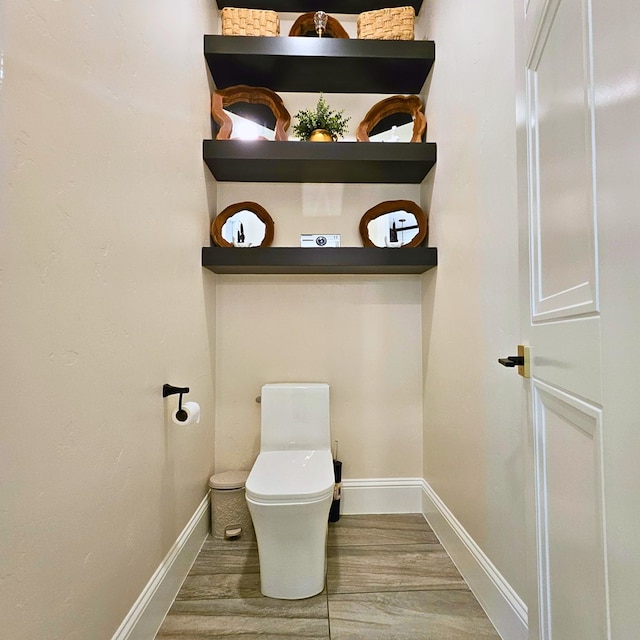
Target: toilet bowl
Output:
[{"x": 290, "y": 489}]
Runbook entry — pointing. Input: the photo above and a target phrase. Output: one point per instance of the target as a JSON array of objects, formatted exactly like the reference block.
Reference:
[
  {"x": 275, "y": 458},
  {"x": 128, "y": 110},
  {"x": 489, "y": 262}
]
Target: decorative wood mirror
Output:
[
  {"x": 249, "y": 113},
  {"x": 244, "y": 223},
  {"x": 394, "y": 223},
  {"x": 304, "y": 26},
  {"x": 390, "y": 121}
]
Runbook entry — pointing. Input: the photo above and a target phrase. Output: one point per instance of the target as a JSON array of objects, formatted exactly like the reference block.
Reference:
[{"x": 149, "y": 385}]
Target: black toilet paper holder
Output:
[{"x": 170, "y": 390}]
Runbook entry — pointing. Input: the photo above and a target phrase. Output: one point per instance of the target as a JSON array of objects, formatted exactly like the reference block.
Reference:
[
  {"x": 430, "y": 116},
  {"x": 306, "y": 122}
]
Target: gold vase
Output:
[{"x": 320, "y": 135}]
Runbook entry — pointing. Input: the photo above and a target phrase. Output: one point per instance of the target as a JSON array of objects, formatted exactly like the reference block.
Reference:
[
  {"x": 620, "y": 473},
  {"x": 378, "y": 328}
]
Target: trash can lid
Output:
[{"x": 228, "y": 480}]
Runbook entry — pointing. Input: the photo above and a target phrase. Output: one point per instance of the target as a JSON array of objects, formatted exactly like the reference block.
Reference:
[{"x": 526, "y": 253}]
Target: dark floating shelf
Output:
[
  {"x": 330, "y": 6},
  {"x": 337, "y": 162},
  {"x": 331, "y": 65},
  {"x": 296, "y": 260}
]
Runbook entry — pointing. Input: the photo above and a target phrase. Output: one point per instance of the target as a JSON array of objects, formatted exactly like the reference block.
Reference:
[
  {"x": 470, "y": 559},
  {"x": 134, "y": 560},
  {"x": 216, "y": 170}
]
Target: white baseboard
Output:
[
  {"x": 502, "y": 604},
  {"x": 505, "y": 608},
  {"x": 381, "y": 495},
  {"x": 145, "y": 617}
]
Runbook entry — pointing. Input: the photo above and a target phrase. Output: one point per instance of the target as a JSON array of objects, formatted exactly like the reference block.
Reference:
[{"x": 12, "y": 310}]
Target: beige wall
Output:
[
  {"x": 104, "y": 205},
  {"x": 103, "y": 209},
  {"x": 473, "y": 441},
  {"x": 360, "y": 334}
]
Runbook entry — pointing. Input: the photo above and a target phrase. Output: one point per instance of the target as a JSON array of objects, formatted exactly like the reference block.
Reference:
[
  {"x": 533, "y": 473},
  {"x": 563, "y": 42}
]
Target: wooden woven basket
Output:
[
  {"x": 249, "y": 22},
  {"x": 387, "y": 24}
]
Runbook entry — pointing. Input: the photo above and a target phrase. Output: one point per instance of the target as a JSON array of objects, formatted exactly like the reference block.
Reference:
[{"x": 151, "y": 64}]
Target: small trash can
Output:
[{"x": 230, "y": 517}]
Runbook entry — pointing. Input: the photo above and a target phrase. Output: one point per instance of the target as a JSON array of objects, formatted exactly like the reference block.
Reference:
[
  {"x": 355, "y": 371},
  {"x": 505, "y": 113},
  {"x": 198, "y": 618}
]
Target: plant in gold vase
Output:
[{"x": 320, "y": 124}]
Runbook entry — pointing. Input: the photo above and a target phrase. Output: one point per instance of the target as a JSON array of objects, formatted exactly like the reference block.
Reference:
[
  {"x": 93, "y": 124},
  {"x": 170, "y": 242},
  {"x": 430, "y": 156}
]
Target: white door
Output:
[{"x": 569, "y": 65}]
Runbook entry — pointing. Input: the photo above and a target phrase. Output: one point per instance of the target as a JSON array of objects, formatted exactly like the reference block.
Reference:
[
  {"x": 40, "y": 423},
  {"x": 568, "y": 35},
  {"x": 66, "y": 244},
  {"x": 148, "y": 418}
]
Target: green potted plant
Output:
[{"x": 320, "y": 124}]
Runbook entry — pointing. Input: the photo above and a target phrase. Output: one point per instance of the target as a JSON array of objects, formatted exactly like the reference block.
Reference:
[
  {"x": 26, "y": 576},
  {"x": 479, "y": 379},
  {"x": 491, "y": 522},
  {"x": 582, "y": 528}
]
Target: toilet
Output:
[{"x": 290, "y": 489}]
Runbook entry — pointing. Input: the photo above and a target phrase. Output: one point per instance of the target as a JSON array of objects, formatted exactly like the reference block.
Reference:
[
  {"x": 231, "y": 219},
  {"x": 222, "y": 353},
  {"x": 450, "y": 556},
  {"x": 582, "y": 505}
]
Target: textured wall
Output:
[
  {"x": 359, "y": 334},
  {"x": 473, "y": 439},
  {"x": 104, "y": 205}
]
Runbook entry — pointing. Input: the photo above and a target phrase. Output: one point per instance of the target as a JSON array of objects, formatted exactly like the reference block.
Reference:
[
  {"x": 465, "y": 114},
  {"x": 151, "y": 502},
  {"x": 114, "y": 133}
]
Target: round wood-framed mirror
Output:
[
  {"x": 304, "y": 26},
  {"x": 395, "y": 111},
  {"x": 258, "y": 104},
  {"x": 243, "y": 223},
  {"x": 394, "y": 223}
]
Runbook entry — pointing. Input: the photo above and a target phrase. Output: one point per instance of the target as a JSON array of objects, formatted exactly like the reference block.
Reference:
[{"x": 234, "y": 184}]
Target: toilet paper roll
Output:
[{"x": 189, "y": 414}]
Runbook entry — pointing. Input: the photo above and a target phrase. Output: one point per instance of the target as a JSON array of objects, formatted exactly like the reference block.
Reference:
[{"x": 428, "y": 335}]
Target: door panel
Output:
[
  {"x": 562, "y": 193},
  {"x": 571, "y": 544}
]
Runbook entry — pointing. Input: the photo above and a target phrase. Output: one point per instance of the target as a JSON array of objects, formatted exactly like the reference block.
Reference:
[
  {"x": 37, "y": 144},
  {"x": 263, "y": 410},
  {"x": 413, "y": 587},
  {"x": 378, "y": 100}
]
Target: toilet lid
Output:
[{"x": 291, "y": 476}]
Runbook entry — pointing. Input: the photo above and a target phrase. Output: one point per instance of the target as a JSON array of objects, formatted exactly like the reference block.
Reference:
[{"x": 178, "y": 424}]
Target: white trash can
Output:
[{"x": 230, "y": 517}]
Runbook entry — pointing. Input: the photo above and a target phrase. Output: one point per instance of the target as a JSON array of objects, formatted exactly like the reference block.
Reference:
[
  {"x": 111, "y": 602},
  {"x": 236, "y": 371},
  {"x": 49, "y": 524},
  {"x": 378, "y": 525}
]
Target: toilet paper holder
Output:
[{"x": 170, "y": 390}]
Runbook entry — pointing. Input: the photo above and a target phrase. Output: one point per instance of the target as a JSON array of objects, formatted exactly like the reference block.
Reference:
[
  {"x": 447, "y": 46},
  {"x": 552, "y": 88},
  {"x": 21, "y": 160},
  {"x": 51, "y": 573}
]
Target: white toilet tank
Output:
[{"x": 295, "y": 415}]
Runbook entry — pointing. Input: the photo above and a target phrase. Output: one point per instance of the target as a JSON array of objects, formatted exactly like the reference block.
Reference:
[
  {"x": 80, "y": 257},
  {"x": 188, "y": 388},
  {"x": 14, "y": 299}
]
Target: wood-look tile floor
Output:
[{"x": 388, "y": 578}]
